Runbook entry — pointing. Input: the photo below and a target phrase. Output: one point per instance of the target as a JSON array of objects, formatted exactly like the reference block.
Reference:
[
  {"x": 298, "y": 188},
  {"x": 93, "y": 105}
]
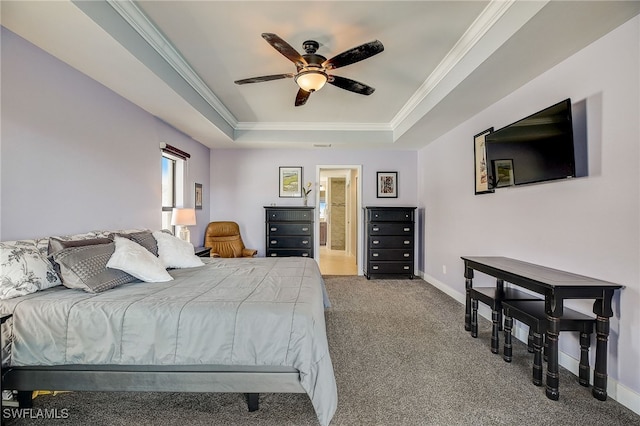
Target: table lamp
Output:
[{"x": 184, "y": 218}]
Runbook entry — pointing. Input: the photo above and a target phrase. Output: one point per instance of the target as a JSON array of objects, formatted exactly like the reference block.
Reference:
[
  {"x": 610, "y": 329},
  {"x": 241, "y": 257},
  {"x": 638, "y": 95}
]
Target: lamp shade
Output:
[
  {"x": 183, "y": 217},
  {"x": 311, "y": 80}
]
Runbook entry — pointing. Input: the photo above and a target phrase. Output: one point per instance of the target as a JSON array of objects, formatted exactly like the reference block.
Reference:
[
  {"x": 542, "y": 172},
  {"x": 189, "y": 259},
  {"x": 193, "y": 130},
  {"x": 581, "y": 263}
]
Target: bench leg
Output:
[
  {"x": 474, "y": 318},
  {"x": 25, "y": 399},
  {"x": 537, "y": 358},
  {"x": 252, "y": 401},
  {"x": 530, "y": 341},
  {"x": 508, "y": 347},
  {"x": 496, "y": 316},
  {"x": 553, "y": 376},
  {"x": 584, "y": 373}
]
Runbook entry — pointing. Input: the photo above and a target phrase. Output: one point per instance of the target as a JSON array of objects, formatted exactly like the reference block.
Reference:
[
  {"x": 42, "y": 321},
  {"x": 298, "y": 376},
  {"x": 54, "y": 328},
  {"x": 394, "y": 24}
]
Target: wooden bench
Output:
[
  {"x": 494, "y": 297},
  {"x": 533, "y": 314}
]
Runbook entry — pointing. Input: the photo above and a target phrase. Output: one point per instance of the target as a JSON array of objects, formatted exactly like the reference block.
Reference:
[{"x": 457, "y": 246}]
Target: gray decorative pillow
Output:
[
  {"x": 144, "y": 238},
  {"x": 24, "y": 270},
  {"x": 85, "y": 268},
  {"x": 57, "y": 244}
]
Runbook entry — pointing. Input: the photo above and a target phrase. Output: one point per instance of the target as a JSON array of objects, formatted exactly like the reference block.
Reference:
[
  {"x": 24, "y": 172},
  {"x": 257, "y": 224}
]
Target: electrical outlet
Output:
[{"x": 444, "y": 269}]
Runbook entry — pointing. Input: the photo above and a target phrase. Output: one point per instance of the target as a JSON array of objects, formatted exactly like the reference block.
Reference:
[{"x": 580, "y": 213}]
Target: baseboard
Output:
[{"x": 622, "y": 394}]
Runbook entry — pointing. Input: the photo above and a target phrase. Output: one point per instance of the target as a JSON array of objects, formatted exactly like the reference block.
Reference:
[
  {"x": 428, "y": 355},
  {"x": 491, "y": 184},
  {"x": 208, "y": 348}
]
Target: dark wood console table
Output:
[{"x": 556, "y": 286}]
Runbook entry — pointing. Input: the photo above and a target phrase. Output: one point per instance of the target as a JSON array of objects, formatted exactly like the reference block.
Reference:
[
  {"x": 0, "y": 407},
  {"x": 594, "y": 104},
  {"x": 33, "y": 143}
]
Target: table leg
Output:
[
  {"x": 474, "y": 318},
  {"x": 553, "y": 378},
  {"x": 507, "y": 353},
  {"x": 599, "y": 390},
  {"x": 467, "y": 306},
  {"x": 496, "y": 317},
  {"x": 585, "y": 342}
]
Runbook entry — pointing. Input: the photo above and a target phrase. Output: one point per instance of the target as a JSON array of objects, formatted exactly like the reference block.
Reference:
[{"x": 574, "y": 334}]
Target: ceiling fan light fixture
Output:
[{"x": 311, "y": 80}]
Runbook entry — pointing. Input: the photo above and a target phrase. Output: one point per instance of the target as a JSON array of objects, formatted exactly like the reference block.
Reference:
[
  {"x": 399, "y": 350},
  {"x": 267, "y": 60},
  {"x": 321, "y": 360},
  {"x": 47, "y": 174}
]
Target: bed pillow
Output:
[
  {"x": 24, "y": 270},
  {"x": 57, "y": 244},
  {"x": 144, "y": 238},
  {"x": 138, "y": 261},
  {"x": 85, "y": 268},
  {"x": 174, "y": 252}
]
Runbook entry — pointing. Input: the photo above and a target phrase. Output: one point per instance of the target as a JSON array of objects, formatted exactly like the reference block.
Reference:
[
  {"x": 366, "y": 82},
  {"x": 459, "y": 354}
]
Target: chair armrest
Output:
[{"x": 249, "y": 252}]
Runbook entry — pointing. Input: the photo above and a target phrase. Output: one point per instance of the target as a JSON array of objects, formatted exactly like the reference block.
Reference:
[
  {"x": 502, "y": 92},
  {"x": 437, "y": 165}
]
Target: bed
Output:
[{"x": 233, "y": 325}]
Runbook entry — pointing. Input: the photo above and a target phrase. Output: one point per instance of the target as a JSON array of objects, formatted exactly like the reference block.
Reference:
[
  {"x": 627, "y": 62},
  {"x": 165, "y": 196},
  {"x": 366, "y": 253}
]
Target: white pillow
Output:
[
  {"x": 137, "y": 261},
  {"x": 174, "y": 252}
]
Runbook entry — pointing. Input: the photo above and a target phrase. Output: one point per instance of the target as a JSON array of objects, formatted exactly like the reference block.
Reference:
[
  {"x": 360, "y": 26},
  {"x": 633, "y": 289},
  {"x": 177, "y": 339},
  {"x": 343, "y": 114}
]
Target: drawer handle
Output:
[
  {"x": 375, "y": 229},
  {"x": 406, "y": 255},
  {"x": 274, "y": 229},
  {"x": 274, "y": 241},
  {"x": 407, "y": 229},
  {"x": 376, "y": 242},
  {"x": 375, "y": 254},
  {"x": 305, "y": 242},
  {"x": 375, "y": 267},
  {"x": 305, "y": 229},
  {"x": 407, "y": 242},
  {"x": 406, "y": 267},
  {"x": 305, "y": 254},
  {"x": 274, "y": 255}
]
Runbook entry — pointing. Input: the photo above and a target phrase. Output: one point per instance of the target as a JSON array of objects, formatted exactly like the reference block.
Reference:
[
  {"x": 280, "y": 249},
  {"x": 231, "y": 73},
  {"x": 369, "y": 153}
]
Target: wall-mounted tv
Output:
[{"x": 537, "y": 148}]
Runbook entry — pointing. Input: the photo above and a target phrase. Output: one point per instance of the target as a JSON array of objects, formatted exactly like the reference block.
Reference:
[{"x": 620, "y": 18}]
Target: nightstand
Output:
[{"x": 202, "y": 251}]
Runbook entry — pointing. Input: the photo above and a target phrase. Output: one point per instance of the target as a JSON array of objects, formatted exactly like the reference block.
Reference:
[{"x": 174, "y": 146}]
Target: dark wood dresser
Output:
[
  {"x": 389, "y": 241},
  {"x": 289, "y": 231}
]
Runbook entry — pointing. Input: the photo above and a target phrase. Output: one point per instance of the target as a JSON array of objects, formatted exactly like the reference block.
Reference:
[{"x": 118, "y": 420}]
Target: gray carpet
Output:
[{"x": 401, "y": 357}]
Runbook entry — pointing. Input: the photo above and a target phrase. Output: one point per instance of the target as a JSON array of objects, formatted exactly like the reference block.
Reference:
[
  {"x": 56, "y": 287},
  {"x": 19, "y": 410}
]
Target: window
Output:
[{"x": 173, "y": 178}]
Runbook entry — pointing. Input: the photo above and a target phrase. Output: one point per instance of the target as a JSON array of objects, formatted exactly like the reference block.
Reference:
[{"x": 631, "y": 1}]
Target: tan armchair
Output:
[{"x": 225, "y": 240}]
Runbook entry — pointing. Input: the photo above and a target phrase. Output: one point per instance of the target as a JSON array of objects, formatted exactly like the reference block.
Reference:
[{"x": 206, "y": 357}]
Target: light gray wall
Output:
[
  {"x": 75, "y": 156},
  {"x": 586, "y": 225},
  {"x": 243, "y": 181}
]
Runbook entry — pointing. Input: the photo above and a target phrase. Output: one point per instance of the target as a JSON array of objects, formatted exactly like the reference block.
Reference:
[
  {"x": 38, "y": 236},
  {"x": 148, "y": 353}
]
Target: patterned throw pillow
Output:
[
  {"x": 85, "y": 268},
  {"x": 144, "y": 238},
  {"x": 24, "y": 270}
]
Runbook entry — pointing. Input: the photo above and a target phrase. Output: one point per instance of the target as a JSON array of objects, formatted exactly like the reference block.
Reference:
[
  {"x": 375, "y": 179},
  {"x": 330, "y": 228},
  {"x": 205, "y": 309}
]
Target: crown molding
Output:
[
  {"x": 483, "y": 23},
  {"x": 132, "y": 14},
  {"x": 340, "y": 127}
]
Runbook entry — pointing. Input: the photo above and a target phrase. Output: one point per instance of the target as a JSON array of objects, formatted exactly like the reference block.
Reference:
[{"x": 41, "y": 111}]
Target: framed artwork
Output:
[
  {"x": 502, "y": 173},
  {"x": 387, "y": 184},
  {"x": 197, "y": 198},
  {"x": 291, "y": 182},
  {"x": 480, "y": 157}
]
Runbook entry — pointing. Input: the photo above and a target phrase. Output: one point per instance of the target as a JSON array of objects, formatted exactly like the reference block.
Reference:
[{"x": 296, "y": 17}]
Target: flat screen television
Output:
[{"x": 537, "y": 148}]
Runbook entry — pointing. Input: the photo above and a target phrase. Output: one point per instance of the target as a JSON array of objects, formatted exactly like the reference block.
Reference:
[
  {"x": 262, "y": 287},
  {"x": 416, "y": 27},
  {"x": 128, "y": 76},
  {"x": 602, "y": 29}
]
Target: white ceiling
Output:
[{"x": 443, "y": 62}]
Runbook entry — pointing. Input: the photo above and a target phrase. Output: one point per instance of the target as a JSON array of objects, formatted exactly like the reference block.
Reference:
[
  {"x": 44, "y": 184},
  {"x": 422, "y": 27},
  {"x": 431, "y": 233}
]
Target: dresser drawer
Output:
[
  {"x": 289, "y": 215},
  {"x": 389, "y": 241},
  {"x": 390, "y": 254},
  {"x": 390, "y": 215},
  {"x": 390, "y": 268},
  {"x": 288, "y": 253},
  {"x": 390, "y": 228},
  {"x": 289, "y": 228},
  {"x": 289, "y": 242}
]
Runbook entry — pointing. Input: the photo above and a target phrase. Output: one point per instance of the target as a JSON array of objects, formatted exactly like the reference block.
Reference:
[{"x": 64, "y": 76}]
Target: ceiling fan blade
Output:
[
  {"x": 264, "y": 78},
  {"x": 301, "y": 97},
  {"x": 350, "y": 85},
  {"x": 354, "y": 55},
  {"x": 285, "y": 48}
]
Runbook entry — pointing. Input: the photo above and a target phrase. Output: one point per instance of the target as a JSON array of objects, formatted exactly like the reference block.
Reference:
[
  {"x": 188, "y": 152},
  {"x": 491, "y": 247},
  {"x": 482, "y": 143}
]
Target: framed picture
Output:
[
  {"x": 387, "y": 184},
  {"x": 502, "y": 173},
  {"x": 197, "y": 198},
  {"x": 291, "y": 182},
  {"x": 480, "y": 157}
]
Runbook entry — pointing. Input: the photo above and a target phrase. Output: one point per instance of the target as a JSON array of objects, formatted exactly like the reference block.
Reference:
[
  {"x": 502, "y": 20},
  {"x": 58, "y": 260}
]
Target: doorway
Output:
[{"x": 338, "y": 219}]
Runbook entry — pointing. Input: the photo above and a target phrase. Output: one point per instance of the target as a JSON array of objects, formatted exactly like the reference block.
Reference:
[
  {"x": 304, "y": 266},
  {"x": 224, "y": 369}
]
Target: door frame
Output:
[{"x": 357, "y": 207}]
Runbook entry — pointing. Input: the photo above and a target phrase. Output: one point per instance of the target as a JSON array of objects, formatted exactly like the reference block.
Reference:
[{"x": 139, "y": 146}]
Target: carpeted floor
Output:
[{"x": 401, "y": 357}]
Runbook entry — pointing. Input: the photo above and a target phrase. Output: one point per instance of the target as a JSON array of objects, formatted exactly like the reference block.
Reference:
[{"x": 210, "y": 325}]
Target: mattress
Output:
[{"x": 243, "y": 312}]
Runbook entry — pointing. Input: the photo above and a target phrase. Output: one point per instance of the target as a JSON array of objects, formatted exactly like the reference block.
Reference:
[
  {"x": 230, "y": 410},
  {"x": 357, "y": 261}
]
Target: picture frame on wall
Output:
[
  {"x": 502, "y": 173},
  {"x": 387, "y": 183},
  {"x": 481, "y": 172},
  {"x": 290, "y": 179},
  {"x": 197, "y": 197}
]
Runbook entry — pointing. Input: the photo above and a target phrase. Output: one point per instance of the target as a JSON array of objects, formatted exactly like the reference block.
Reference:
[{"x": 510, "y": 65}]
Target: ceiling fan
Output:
[{"x": 312, "y": 69}]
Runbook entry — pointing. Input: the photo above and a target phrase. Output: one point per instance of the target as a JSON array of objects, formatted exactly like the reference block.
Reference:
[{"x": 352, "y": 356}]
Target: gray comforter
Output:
[{"x": 261, "y": 311}]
